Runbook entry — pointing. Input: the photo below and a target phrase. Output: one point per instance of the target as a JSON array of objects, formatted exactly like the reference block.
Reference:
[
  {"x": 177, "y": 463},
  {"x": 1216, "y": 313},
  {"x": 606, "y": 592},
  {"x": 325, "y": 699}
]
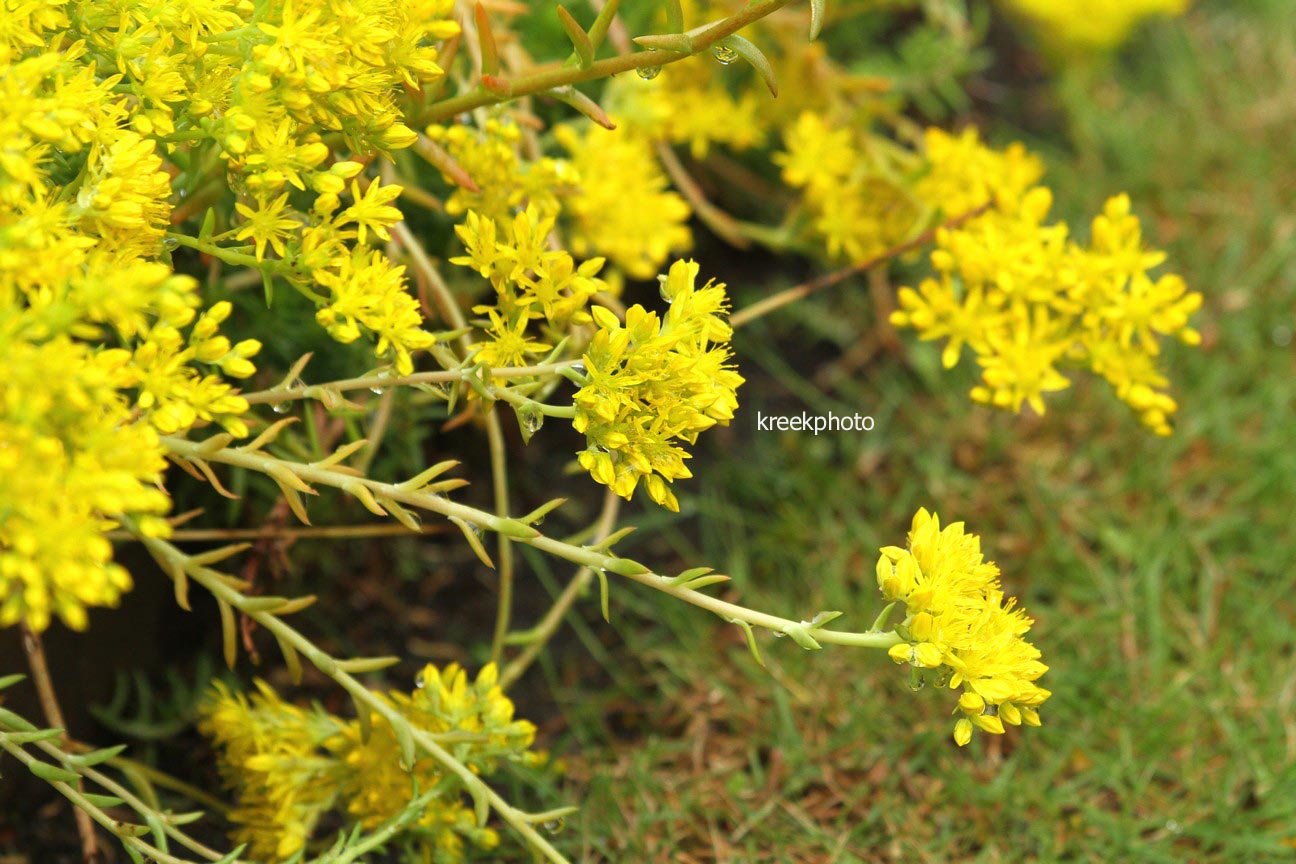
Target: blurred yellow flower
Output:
[{"x": 1081, "y": 26}]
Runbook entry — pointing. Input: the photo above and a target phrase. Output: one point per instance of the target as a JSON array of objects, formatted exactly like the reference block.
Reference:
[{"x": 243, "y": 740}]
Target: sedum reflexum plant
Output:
[{"x": 161, "y": 157}]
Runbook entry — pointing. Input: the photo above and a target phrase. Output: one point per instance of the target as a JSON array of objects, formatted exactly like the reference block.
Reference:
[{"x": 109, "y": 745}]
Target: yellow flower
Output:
[
  {"x": 958, "y": 623},
  {"x": 267, "y": 223},
  {"x": 504, "y": 181},
  {"x": 291, "y": 768},
  {"x": 622, "y": 206},
  {"x": 1081, "y": 26},
  {"x": 853, "y": 193},
  {"x": 818, "y": 154},
  {"x": 72, "y": 462},
  {"x": 508, "y": 345},
  {"x": 1028, "y": 300},
  {"x": 371, "y": 211},
  {"x": 653, "y": 382},
  {"x": 530, "y": 279},
  {"x": 368, "y": 291}
]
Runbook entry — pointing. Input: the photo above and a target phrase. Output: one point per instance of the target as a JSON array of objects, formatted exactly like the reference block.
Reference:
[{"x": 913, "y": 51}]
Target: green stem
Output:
[
  {"x": 513, "y": 398},
  {"x": 701, "y": 39},
  {"x": 583, "y": 555},
  {"x": 368, "y": 382},
  {"x": 229, "y": 256},
  {"x": 540, "y": 635},
  {"x": 166, "y": 781},
  {"x": 85, "y": 805},
  {"x": 504, "y": 547}
]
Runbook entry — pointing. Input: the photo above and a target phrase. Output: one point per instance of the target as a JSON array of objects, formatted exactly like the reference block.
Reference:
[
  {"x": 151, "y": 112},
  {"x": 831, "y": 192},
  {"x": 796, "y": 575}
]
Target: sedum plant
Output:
[{"x": 161, "y": 156}]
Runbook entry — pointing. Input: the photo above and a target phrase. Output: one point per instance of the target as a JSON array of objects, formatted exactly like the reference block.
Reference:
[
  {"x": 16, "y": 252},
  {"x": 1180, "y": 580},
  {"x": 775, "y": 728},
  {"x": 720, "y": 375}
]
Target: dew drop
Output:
[
  {"x": 579, "y": 367},
  {"x": 916, "y": 679},
  {"x": 532, "y": 420},
  {"x": 170, "y": 243},
  {"x": 555, "y": 826},
  {"x": 379, "y": 390},
  {"x": 990, "y": 710},
  {"x": 648, "y": 73},
  {"x": 279, "y": 407},
  {"x": 419, "y": 681},
  {"x": 942, "y": 676},
  {"x": 724, "y": 54}
]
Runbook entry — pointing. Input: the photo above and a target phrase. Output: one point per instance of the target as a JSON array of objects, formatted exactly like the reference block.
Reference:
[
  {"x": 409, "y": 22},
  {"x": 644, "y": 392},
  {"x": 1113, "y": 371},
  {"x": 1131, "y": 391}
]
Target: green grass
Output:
[{"x": 1160, "y": 572}]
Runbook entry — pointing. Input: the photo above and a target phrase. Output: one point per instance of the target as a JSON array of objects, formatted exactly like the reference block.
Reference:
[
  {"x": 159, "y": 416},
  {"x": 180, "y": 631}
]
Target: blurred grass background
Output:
[{"x": 1160, "y": 572}]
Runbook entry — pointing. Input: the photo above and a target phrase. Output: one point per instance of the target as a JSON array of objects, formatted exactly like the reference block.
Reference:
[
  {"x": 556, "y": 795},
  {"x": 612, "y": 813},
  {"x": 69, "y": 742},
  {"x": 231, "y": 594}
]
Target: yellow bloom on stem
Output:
[
  {"x": 508, "y": 345},
  {"x": 368, "y": 293},
  {"x": 267, "y": 223},
  {"x": 1028, "y": 300},
  {"x": 371, "y": 210},
  {"x": 622, "y": 206},
  {"x": 653, "y": 382},
  {"x": 291, "y": 768},
  {"x": 853, "y": 189},
  {"x": 958, "y": 624}
]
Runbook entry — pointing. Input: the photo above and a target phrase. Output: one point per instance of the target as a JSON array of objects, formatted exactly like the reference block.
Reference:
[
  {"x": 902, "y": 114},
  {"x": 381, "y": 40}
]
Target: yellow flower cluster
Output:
[
  {"x": 1027, "y": 300},
  {"x": 958, "y": 623},
  {"x": 291, "y": 768},
  {"x": 854, "y": 187},
  {"x": 94, "y": 355},
  {"x": 531, "y": 282},
  {"x": 622, "y": 206},
  {"x": 1080, "y": 26},
  {"x": 653, "y": 382},
  {"x": 504, "y": 181},
  {"x": 604, "y": 170},
  {"x": 248, "y": 91}
]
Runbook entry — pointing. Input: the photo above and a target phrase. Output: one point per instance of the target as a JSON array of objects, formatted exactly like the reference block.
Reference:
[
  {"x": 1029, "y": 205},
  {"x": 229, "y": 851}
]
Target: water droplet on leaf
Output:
[
  {"x": 279, "y": 407},
  {"x": 648, "y": 73},
  {"x": 724, "y": 54}
]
